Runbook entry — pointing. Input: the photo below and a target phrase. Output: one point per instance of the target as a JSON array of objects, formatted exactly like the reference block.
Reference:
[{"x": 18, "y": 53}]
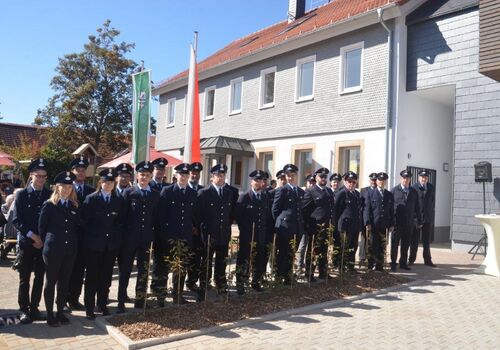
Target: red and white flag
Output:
[{"x": 192, "y": 140}]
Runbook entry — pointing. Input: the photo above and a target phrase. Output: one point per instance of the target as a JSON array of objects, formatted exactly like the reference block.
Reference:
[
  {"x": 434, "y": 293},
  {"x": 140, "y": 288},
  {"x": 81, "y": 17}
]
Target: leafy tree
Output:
[{"x": 93, "y": 96}]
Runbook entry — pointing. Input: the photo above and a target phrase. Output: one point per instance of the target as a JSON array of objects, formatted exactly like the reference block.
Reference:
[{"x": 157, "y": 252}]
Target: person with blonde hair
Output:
[{"x": 58, "y": 225}]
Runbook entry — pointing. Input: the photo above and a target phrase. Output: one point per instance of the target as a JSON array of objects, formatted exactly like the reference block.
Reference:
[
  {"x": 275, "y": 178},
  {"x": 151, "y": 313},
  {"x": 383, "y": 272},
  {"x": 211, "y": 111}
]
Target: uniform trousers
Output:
[
  {"x": 415, "y": 239},
  {"x": 285, "y": 254},
  {"x": 194, "y": 269},
  {"x": 220, "y": 252},
  {"x": 164, "y": 252},
  {"x": 400, "y": 234},
  {"x": 376, "y": 248},
  {"x": 58, "y": 270},
  {"x": 125, "y": 265},
  {"x": 30, "y": 260},
  {"x": 259, "y": 262},
  {"x": 319, "y": 250},
  {"x": 98, "y": 277}
]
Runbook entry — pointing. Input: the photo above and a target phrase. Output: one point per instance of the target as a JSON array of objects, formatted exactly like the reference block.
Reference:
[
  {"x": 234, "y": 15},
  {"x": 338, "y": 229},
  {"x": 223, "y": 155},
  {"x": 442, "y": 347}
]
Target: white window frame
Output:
[
  {"x": 262, "y": 91},
  {"x": 184, "y": 117},
  {"x": 205, "y": 102},
  {"x": 298, "y": 73},
  {"x": 343, "y": 51},
  {"x": 231, "y": 91},
  {"x": 170, "y": 101}
]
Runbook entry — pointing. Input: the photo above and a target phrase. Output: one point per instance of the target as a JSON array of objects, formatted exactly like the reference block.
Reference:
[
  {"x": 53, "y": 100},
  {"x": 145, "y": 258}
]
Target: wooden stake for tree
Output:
[
  {"x": 385, "y": 246},
  {"x": 330, "y": 238},
  {"x": 273, "y": 256},
  {"x": 208, "y": 261},
  {"x": 147, "y": 276},
  {"x": 342, "y": 257},
  {"x": 251, "y": 255},
  {"x": 311, "y": 262}
]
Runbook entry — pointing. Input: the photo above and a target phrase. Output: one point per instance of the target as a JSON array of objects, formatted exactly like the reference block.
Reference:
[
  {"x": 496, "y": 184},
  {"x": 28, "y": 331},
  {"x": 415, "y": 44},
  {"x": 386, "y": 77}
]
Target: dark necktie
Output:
[
  {"x": 220, "y": 192},
  {"x": 144, "y": 193},
  {"x": 183, "y": 191},
  {"x": 258, "y": 196}
]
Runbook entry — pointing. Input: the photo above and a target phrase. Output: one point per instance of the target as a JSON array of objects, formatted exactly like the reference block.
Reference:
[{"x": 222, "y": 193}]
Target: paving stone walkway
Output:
[{"x": 450, "y": 307}]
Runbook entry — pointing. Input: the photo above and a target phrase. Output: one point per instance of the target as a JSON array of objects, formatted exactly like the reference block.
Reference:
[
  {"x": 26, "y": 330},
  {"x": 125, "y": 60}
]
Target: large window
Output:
[
  {"x": 235, "y": 96},
  {"x": 171, "y": 112},
  {"x": 351, "y": 68},
  {"x": 208, "y": 111},
  {"x": 304, "y": 84},
  {"x": 267, "y": 87},
  {"x": 305, "y": 163},
  {"x": 266, "y": 162},
  {"x": 351, "y": 159}
]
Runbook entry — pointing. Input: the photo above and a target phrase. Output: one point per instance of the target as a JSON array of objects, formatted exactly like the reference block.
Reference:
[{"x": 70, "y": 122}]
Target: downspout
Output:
[{"x": 380, "y": 13}]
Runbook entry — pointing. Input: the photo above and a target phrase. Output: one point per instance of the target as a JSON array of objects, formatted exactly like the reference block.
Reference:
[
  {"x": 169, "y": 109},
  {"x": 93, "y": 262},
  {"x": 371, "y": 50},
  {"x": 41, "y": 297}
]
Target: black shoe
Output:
[
  {"x": 89, "y": 315},
  {"x": 430, "y": 263},
  {"x": 312, "y": 279},
  {"x": 36, "y": 315},
  {"x": 404, "y": 267},
  {"x": 393, "y": 267},
  {"x": 161, "y": 303},
  {"x": 25, "y": 317},
  {"x": 287, "y": 282},
  {"x": 62, "y": 318},
  {"x": 240, "y": 290},
  {"x": 192, "y": 286},
  {"x": 379, "y": 268},
  {"x": 179, "y": 300},
  {"x": 257, "y": 287},
  {"x": 52, "y": 320},
  {"x": 411, "y": 262},
  {"x": 76, "y": 305},
  {"x": 121, "y": 308},
  {"x": 104, "y": 310},
  {"x": 200, "y": 296},
  {"x": 139, "y": 304},
  {"x": 127, "y": 299}
]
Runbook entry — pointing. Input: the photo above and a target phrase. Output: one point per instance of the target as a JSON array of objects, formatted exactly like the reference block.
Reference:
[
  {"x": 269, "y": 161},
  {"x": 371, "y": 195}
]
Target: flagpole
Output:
[{"x": 188, "y": 151}]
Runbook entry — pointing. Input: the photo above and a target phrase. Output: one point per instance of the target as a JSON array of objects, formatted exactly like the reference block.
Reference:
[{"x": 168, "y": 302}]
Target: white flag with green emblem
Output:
[{"x": 141, "y": 111}]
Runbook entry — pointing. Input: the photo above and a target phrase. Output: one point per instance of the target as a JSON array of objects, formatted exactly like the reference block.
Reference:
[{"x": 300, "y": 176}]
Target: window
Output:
[
  {"x": 208, "y": 111},
  {"x": 184, "y": 117},
  {"x": 304, "y": 161},
  {"x": 304, "y": 84},
  {"x": 235, "y": 96},
  {"x": 351, "y": 68},
  {"x": 170, "y": 112},
  {"x": 266, "y": 160},
  {"x": 267, "y": 87}
]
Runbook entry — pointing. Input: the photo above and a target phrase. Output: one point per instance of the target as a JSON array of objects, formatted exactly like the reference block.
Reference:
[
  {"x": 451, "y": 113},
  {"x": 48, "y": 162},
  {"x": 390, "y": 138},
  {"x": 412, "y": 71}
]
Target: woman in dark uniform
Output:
[
  {"x": 58, "y": 223},
  {"x": 102, "y": 213}
]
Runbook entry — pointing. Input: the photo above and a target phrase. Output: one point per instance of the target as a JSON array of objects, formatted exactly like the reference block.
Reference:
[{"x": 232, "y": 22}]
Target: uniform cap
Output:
[
  {"x": 124, "y": 168},
  {"x": 160, "y": 163},
  {"x": 182, "y": 168},
  {"x": 373, "y": 176},
  {"x": 37, "y": 164},
  {"x": 423, "y": 172},
  {"x": 290, "y": 168},
  {"x": 322, "y": 171},
  {"x": 108, "y": 174},
  {"x": 65, "y": 178},
  {"x": 80, "y": 162},
  {"x": 405, "y": 173},
  {"x": 336, "y": 177},
  {"x": 219, "y": 169},
  {"x": 257, "y": 175},
  {"x": 382, "y": 176},
  {"x": 280, "y": 174},
  {"x": 310, "y": 178},
  {"x": 144, "y": 166},
  {"x": 350, "y": 175},
  {"x": 196, "y": 166}
]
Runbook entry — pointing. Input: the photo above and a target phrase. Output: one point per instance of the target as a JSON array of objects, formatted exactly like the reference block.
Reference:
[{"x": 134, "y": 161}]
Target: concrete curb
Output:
[{"x": 129, "y": 344}]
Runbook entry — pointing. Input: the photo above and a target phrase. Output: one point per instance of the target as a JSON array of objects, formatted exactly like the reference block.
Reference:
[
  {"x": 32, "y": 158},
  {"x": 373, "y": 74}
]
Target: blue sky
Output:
[{"x": 35, "y": 33}]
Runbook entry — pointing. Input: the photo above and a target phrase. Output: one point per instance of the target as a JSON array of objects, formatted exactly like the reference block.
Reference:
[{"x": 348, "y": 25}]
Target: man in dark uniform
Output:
[
  {"x": 336, "y": 182},
  {"x": 426, "y": 200},
  {"x": 141, "y": 215},
  {"x": 27, "y": 206},
  {"x": 158, "y": 181},
  {"x": 336, "y": 186},
  {"x": 125, "y": 172},
  {"x": 103, "y": 216},
  {"x": 78, "y": 167},
  {"x": 319, "y": 215},
  {"x": 251, "y": 215},
  {"x": 365, "y": 191},
  {"x": 378, "y": 217},
  {"x": 197, "y": 243},
  {"x": 214, "y": 212},
  {"x": 289, "y": 223},
  {"x": 310, "y": 181},
  {"x": 348, "y": 215},
  {"x": 174, "y": 236},
  {"x": 406, "y": 209}
]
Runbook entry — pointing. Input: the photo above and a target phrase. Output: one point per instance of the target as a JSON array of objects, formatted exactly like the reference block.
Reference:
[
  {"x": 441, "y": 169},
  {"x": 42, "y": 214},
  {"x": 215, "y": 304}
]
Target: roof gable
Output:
[{"x": 316, "y": 19}]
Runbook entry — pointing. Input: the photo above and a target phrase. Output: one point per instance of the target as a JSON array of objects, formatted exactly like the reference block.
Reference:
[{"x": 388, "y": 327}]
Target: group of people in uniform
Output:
[{"x": 74, "y": 235}]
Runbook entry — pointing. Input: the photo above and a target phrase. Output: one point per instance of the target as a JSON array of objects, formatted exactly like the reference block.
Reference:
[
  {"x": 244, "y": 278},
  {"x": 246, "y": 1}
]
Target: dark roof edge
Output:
[{"x": 425, "y": 13}]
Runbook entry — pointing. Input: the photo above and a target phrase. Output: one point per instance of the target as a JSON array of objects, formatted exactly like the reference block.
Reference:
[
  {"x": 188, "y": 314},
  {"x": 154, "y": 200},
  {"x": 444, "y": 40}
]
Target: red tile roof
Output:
[
  {"x": 12, "y": 134},
  {"x": 315, "y": 19}
]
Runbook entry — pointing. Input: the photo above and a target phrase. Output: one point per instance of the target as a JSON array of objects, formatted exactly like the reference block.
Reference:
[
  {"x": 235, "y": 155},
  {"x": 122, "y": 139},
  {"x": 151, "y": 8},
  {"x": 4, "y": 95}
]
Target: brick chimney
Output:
[{"x": 296, "y": 9}]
